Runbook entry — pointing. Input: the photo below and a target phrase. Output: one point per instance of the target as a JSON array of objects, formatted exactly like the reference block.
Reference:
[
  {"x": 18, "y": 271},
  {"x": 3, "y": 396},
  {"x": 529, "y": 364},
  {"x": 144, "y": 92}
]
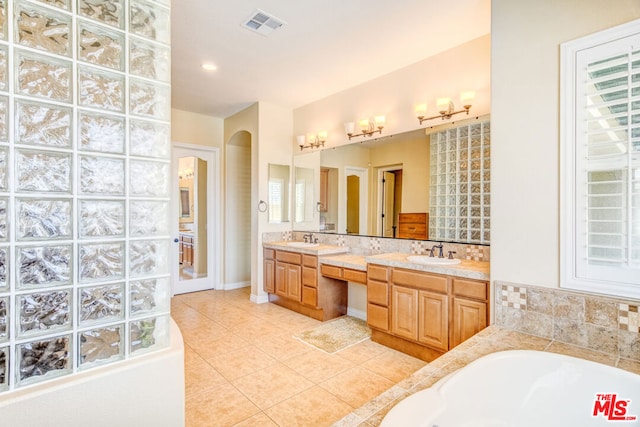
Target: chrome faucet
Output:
[
  {"x": 440, "y": 253},
  {"x": 308, "y": 238}
]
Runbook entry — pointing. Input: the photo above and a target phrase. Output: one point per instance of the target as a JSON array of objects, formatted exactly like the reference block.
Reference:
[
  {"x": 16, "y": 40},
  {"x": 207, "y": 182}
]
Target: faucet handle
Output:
[{"x": 451, "y": 254}]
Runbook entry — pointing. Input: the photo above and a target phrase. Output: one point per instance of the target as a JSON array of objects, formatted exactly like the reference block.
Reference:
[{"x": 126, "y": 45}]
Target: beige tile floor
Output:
[{"x": 244, "y": 368}]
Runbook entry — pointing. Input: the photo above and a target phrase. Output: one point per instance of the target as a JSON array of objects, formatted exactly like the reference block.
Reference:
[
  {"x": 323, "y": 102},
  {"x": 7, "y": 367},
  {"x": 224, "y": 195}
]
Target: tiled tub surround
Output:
[
  {"x": 607, "y": 325},
  {"x": 490, "y": 340}
]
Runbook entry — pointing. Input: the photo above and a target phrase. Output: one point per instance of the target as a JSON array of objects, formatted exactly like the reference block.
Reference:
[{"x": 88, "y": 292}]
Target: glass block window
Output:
[
  {"x": 84, "y": 191},
  {"x": 601, "y": 162},
  {"x": 460, "y": 191}
]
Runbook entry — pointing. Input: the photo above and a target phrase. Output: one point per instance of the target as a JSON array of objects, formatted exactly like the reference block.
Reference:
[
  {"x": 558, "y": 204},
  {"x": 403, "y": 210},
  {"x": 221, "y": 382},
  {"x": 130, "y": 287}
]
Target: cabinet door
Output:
[
  {"x": 294, "y": 282},
  {"x": 433, "y": 320},
  {"x": 281, "y": 279},
  {"x": 469, "y": 318},
  {"x": 269, "y": 276},
  {"x": 404, "y": 312}
]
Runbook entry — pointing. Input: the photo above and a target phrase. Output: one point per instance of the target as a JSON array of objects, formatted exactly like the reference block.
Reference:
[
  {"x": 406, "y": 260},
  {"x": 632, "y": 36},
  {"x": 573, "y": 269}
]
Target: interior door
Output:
[
  {"x": 388, "y": 203},
  {"x": 353, "y": 204},
  {"x": 193, "y": 258}
]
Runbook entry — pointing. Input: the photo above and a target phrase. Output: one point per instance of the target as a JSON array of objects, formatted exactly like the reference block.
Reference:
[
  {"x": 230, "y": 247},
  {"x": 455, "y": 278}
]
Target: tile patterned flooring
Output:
[{"x": 244, "y": 368}]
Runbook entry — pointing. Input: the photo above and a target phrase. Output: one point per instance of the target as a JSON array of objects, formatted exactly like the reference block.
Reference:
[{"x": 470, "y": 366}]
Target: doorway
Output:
[
  {"x": 195, "y": 219},
  {"x": 355, "y": 208},
  {"x": 389, "y": 200}
]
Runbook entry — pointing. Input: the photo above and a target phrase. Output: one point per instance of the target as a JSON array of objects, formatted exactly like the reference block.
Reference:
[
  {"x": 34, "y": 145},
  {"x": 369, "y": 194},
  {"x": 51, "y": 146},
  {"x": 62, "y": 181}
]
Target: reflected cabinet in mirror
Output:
[
  {"x": 431, "y": 184},
  {"x": 278, "y": 193}
]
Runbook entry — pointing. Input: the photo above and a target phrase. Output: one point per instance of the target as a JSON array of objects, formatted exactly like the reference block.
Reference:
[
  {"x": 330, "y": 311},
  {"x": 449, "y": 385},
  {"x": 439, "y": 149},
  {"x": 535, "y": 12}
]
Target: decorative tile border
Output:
[
  {"x": 340, "y": 240},
  {"x": 287, "y": 236},
  {"x": 629, "y": 318},
  {"x": 595, "y": 322},
  {"x": 417, "y": 247},
  {"x": 514, "y": 297},
  {"x": 374, "y": 245},
  {"x": 474, "y": 253}
]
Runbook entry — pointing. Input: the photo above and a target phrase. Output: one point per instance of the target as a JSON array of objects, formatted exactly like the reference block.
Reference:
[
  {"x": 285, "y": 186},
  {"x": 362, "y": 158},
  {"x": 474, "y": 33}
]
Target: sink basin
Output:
[
  {"x": 427, "y": 260},
  {"x": 303, "y": 244}
]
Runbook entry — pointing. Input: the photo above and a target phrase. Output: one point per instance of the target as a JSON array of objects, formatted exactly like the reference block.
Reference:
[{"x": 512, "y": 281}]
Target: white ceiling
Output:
[{"x": 325, "y": 46}]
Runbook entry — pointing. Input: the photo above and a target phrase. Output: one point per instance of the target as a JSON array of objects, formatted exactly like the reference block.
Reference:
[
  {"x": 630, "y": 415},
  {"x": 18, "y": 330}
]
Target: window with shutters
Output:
[{"x": 600, "y": 140}]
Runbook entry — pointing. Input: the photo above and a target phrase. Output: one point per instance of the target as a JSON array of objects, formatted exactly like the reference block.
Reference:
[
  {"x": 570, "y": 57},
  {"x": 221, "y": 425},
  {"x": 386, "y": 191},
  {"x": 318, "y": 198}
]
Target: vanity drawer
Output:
[
  {"x": 309, "y": 296},
  {"x": 471, "y": 289},
  {"x": 355, "y": 276},
  {"x": 420, "y": 280},
  {"x": 310, "y": 261},
  {"x": 309, "y": 276},
  {"x": 269, "y": 253},
  {"x": 290, "y": 257},
  {"x": 378, "y": 292},
  {"x": 378, "y": 317},
  {"x": 378, "y": 272},
  {"x": 331, "y": 271}
]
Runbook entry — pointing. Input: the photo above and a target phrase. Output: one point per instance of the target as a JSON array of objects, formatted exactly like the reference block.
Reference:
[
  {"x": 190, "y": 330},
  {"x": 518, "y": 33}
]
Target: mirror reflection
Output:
[
  {"x": 303, "y": 195},
  {"x": 395, "y": 186},
  {"x": 278, "y": 193},
  {"x": 192, "y": 252}
]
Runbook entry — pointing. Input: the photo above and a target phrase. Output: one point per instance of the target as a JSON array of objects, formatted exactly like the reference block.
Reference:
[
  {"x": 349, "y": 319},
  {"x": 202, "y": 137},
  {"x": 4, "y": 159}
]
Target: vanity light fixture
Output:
[
  {"x": 312, "y": 140},
  {"x": 367, "y": 126},
  {"x": 446, "y": 109}
]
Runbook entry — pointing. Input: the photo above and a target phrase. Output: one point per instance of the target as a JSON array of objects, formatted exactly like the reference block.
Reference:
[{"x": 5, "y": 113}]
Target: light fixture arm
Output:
[
  {"x": 445, "y": 115},
  {"x": 375, "y": 126},
  {"x": 315, "y": 141}
]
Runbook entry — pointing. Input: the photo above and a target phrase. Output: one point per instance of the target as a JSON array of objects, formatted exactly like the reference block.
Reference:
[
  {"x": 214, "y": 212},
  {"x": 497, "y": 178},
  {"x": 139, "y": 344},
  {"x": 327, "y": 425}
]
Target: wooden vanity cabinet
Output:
[
  {"x": 269, "y": 271},
  {"x": 428, "y": 314},
  {"x": 292, "y": 280},
  {"x": 378, "y": 297},
  {"x": 310, "y": 280},
  {"x": 470, "y": 309},
  {"x": 288, "y": 280}
]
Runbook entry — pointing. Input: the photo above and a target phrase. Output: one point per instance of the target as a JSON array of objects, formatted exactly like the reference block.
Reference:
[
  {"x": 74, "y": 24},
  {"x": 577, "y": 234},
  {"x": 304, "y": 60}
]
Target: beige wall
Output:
[
  {"x": 524, "y": 126},
  {"x": 466, "y": 67},
  {"x": 193, "y": 128},
  {"x": 270, "y": 127}
]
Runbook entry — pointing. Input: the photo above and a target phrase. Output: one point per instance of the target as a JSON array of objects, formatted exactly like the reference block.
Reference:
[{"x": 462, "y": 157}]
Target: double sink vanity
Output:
[{"x": 418, "y": 304}]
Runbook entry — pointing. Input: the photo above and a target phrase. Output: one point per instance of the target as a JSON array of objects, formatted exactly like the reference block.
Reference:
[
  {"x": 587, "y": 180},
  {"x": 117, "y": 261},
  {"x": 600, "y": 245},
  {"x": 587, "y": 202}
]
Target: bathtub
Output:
[{"x": 525, "y": 388}]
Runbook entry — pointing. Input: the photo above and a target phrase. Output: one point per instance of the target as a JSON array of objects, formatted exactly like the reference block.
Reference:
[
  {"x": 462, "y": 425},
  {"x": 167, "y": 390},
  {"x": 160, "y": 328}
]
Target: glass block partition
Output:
[
  {"x": 460, "y": 190},
  {"x": 84, "y": 194}
]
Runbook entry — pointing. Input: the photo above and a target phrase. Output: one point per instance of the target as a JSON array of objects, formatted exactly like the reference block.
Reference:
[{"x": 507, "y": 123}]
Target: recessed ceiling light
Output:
[{"x": 207, "y": 66}]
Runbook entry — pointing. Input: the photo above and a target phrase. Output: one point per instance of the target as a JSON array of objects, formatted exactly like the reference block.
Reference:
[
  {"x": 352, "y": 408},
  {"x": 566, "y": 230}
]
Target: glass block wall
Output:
[
  {"x": 84, "y": 167},
  {"x": 460, "y": 190}
]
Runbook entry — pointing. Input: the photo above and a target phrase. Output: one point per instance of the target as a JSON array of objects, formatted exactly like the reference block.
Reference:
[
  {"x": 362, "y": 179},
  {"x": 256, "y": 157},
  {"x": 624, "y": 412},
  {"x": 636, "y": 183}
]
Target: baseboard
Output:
[
  {"x": 237, "y": 285},
  {"x": 359, "y": 314},
  {"x": 259, "y": 299}
]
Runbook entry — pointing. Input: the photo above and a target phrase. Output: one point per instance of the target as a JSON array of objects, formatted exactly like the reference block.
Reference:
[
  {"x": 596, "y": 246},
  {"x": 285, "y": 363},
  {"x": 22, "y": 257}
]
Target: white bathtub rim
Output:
[{"x": 425, "y": 406}]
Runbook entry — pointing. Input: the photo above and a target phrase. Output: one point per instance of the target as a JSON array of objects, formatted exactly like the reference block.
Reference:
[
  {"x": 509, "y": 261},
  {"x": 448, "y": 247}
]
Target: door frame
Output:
[
  {"x": 379, "y": 231},
  {"x": 363, "y": 174},
  {"x": 214, "y": 226}
]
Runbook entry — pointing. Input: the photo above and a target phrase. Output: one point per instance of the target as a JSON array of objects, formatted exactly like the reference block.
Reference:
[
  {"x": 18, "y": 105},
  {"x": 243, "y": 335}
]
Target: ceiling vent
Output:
[{"x": 262, "y": 23}]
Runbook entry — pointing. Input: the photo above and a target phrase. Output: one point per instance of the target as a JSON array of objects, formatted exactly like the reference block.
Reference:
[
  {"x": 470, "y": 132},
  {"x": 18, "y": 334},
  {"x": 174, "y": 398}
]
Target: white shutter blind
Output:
[
  {"x": 275, "y": 199},
  {"x": 606, "y": 180}
]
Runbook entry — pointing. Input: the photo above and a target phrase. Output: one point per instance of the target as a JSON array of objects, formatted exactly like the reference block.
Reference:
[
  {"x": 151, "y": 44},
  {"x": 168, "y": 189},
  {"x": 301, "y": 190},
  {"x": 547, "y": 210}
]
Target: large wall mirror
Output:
[
  {"x": 387, "y": 187},
  {"x": 278, "y": 193}
]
